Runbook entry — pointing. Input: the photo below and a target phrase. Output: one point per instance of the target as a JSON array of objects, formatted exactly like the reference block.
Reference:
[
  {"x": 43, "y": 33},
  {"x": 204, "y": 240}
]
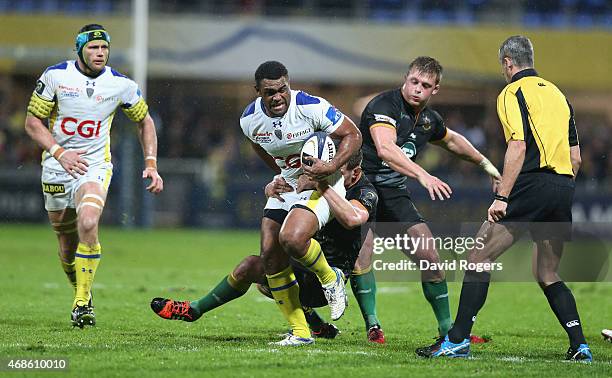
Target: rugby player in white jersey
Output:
[
  {"x": 277, "y": 123},
  {"x": 79, "y": 98}
]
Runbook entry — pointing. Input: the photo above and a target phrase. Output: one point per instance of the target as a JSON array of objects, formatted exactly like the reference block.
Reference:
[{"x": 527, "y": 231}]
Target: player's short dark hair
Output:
[
  {"x": 271, "y": 70},
  {"x": 355, "y": 160},
  {"x": 427, "y": 65},
  {"x": 90, "y": 27},
  {"x": 519, "y": 49}
]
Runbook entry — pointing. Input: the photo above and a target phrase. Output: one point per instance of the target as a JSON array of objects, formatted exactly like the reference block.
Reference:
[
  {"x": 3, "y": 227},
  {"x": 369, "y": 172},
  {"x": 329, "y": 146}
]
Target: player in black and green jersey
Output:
[
  {"x": 395, "y": 126},
  {"x": 341, "y": 240}
]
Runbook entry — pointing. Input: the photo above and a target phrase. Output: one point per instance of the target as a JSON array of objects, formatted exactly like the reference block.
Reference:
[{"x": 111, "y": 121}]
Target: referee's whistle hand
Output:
[{"x": 497, "y": 211}]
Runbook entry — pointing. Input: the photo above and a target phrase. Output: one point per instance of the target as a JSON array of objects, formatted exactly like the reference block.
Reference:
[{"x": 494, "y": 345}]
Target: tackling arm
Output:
[{"x": 349, "y": 214}]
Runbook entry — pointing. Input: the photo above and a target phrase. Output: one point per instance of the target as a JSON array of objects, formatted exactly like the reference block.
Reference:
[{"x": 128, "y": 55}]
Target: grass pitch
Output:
[{"x": 131, "y": 340}]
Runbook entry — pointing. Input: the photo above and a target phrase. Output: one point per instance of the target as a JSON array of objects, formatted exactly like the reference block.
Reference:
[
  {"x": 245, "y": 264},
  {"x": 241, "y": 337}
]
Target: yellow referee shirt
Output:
[{"x": 536, "y": 111}]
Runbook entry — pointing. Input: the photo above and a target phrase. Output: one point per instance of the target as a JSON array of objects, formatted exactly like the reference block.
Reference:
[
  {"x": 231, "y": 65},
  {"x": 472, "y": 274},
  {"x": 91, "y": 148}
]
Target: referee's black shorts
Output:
[
  {"x": 541, "y": 202},
  {"x": 396, "y": 210}
]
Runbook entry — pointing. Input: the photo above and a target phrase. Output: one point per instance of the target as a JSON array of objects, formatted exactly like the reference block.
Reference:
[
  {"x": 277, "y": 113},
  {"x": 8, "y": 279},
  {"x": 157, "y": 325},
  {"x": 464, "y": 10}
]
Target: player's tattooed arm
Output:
[
  {"x": 385, "y": 139},
  {"x": 70, "y": 160},
  {"x": 148, "y": 140},
  {"x": 269, "y": 160}
]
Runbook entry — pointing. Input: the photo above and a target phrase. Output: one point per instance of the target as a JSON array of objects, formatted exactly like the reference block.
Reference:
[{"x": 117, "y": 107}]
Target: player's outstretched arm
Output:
[
  {"x": 350, "y": 141},
  {"x": 349, "y": 214},
  {"x": 70, "y": 160},
  {"x": 384, "y": 140},
  {"x": 460, "y": 146},
  {"x": 148, "y": 140}
]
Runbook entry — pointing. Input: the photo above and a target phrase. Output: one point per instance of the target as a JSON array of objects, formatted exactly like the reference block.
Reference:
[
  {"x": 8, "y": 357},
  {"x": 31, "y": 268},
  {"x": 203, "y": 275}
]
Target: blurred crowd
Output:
[
  {"x": 205, "y": 128},
  {"x": 550, "y": 13}
]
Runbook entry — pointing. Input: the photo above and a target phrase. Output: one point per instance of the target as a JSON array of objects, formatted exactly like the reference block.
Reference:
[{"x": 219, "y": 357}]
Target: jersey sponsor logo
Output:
[
  {"x": 299, "y": 133},
  {"x": 385, "y": 118},
  {"x": 100, "y": 99},
  {"x": 40, "y": 87},
  {"x": 333, "y": 114},
  {"x": 68, "y": 92},
  {"x": 86, "y": 128},
  {"x": 263, "y": 138},
  {"x": 53, "y": 188},
  {"x": 409, "y": 149},
  {"x": 291, "y": 161}
]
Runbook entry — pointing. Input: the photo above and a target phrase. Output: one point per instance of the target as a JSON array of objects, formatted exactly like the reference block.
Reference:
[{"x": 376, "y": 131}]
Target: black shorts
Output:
[
  {"x": 395, "y": 206},
  {"x": 542, "y": 203}
]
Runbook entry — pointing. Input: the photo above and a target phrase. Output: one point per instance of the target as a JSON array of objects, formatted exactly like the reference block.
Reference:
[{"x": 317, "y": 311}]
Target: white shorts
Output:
[
  {"x": 59, "y": 188},
  {"x": 310, "y": 199}
]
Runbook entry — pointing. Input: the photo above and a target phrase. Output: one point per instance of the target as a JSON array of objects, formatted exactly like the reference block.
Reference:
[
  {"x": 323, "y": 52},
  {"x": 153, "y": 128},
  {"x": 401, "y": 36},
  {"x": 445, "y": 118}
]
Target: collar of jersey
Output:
[
  {"x": 76, "y": 64},
  {"x": 524, "y": 73}
]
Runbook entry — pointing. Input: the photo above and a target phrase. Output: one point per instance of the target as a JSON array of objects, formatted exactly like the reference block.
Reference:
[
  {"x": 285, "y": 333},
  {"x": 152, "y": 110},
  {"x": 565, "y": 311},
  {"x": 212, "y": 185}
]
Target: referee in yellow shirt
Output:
[{"x": 535, "y": 194}]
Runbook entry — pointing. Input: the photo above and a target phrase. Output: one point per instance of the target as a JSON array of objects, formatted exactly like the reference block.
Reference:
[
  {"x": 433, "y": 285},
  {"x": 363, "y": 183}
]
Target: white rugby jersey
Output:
[
  {"x": 283, "y": 137},
  {"x": 84, "y": 109}
]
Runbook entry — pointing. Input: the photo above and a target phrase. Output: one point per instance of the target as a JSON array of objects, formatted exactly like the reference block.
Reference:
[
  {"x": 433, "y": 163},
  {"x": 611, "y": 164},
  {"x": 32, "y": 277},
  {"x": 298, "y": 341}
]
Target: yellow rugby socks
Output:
[
  {"x": 315, "y": 261},
  {"x": 86, "y": 261},
  {"x": 286, "y": 293}
]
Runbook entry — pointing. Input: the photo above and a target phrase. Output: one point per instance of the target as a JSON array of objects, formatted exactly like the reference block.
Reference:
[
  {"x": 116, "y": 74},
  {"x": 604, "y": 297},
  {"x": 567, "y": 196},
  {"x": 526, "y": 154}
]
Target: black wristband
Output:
[{"x": 499, "y": 197}]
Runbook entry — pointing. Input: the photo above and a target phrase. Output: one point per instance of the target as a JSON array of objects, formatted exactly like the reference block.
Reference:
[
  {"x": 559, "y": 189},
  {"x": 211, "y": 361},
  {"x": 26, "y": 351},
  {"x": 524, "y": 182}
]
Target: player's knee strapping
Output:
[
  {"x": 91, "y": 200},
  {"x": 65, "y": 228},
  {"x": 286, "y": 293},
  {"x": 86, "y": 261},
  {"x": 315, "y": 261}
]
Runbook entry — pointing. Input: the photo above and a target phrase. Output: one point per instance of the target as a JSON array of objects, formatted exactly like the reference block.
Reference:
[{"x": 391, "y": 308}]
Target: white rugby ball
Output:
[{"x": 318, "y": 145}]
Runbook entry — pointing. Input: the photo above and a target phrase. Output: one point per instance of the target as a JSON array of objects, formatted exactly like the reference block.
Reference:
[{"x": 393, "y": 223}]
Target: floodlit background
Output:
[{"x": 198, "y": 75}]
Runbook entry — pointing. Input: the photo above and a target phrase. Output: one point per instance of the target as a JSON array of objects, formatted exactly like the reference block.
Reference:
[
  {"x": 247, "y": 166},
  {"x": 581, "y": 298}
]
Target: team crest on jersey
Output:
[
  {"x": 90, "y": 91},
  {"x": 426, "y": 123},
  {"x": 53, "y": 188},
  {"x": 277, "y": 129}
]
